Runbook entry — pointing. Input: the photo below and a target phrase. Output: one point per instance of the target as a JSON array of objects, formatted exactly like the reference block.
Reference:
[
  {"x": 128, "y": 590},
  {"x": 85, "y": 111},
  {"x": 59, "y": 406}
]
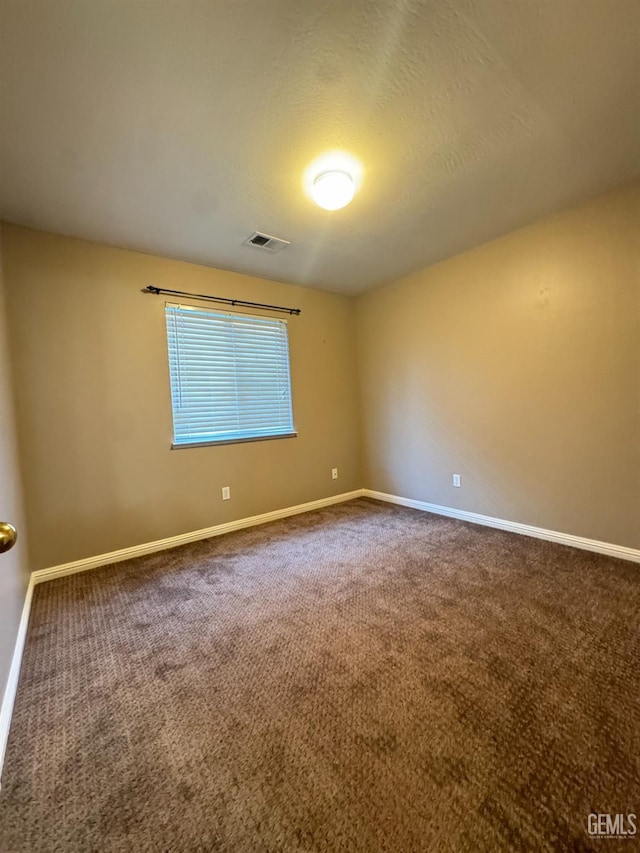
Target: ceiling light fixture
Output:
[
  {"x": 332, "y": 180},
  {"x": 333, "y": 190}
]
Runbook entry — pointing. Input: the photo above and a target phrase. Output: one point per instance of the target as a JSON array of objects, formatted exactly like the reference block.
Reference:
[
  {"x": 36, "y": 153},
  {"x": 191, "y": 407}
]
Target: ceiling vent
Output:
[{"x": 266, "y": 242}]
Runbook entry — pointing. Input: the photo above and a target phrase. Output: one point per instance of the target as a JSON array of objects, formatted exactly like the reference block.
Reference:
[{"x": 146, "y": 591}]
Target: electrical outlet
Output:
[
  {"x": 226, "y": 493},
  {"x": 456, "y": 481},
  {"x": 334, "y": 473}
]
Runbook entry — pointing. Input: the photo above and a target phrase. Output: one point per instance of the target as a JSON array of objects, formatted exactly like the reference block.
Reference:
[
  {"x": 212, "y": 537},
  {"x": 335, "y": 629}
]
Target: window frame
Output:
[{"x": 182, "y": 445}]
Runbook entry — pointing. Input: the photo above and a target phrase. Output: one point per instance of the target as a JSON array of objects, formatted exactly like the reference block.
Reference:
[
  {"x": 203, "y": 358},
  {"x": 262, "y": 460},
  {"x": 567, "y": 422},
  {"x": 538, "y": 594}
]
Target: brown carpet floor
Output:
[{"x": 361, "y": 678}]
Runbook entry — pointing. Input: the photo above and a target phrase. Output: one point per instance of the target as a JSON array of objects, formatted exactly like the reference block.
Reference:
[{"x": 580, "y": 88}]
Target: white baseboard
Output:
[
  {"x": 620, "y": 551},
  {"x": 9, "y": 698},
  {"x": 183, "y": 538},
  {"x": 611, "y": 550}
]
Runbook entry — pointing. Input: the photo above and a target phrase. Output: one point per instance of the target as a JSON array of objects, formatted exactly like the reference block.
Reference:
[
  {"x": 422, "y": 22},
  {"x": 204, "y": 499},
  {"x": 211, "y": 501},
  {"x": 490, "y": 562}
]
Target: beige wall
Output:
[
  {"x": 517, "y": 365},
  {"x": 94, "y": 408},
  {"x": 13, "y": 564}
]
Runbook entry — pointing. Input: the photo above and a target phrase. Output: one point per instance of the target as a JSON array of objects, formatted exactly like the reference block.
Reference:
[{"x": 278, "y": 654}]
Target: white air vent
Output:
[{"x": 267, "y": 242}]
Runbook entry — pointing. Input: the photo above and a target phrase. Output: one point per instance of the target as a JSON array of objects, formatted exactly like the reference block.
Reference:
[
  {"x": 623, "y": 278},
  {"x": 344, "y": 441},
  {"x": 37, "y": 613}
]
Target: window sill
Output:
[{"x": 233, "y": 440}]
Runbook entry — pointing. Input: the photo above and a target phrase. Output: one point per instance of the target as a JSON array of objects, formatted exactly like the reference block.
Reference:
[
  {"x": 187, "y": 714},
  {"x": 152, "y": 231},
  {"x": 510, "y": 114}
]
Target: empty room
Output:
[{"x": 319, "y": 426}]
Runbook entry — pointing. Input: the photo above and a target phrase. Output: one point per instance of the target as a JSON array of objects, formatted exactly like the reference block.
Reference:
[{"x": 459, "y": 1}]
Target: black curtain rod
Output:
[{"x": 240, "y": 302}]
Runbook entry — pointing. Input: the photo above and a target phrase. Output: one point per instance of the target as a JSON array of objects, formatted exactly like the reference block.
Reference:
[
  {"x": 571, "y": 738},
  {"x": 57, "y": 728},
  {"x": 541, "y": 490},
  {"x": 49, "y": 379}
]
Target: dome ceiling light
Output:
[
  {"x": 331, "y": 181},
  {"x": 333, "y": 190}
]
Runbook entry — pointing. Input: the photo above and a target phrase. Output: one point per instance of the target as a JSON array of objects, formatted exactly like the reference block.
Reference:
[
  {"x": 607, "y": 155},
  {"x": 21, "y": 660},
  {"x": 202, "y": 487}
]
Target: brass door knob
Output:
[{"x": 8, "y": 536}]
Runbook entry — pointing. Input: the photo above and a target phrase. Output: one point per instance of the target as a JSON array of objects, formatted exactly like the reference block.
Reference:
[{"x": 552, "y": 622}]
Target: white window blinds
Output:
[{"x": 229, "y": 376}]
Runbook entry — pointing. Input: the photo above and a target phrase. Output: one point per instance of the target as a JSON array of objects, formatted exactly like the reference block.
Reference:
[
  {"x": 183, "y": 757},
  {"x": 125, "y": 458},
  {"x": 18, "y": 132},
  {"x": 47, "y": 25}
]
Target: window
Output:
[{"x": 229, "y": 376}]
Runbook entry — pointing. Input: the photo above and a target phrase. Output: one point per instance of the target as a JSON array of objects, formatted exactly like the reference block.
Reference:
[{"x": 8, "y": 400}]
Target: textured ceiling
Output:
[{"x": 181, "y": 127}]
